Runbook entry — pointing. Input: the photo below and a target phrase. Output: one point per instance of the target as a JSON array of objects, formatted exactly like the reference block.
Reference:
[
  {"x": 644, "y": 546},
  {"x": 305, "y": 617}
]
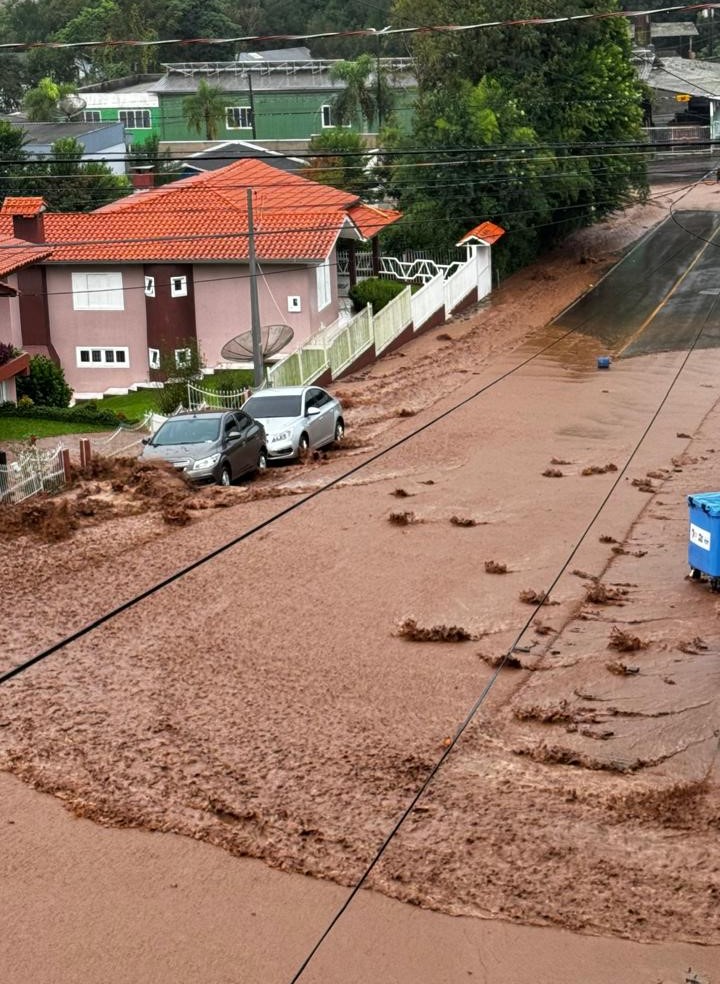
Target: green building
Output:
[{"x": 272, "y": 95}]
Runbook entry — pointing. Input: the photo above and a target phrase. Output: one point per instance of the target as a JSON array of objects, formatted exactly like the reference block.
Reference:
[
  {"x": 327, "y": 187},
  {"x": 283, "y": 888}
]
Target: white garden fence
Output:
[
  {"x": 336, "y": 348},
  {"x": 33, "y": 471}
]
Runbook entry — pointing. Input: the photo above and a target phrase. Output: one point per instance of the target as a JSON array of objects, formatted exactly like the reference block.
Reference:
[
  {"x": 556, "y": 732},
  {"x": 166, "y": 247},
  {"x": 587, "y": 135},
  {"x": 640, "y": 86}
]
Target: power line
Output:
[
  {"x": 553, "y": 21},
  {"x": 165, "y": 582}
]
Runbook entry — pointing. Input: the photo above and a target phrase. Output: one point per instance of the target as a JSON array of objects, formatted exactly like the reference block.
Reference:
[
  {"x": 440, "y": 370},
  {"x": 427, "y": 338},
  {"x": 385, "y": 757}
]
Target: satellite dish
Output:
[
  {"x": 273, "y": 338},
  {"x": 72, "y": 104}
]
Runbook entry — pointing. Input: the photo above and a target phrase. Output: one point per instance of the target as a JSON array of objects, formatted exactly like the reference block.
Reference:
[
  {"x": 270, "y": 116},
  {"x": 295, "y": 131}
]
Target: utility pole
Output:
[{"x": 258, "y": 369}]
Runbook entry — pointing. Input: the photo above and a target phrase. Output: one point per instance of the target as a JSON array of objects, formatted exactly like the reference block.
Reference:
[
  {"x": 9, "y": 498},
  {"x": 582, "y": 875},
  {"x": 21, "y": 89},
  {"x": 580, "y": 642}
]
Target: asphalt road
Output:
[{"x": 661, "y": 294}]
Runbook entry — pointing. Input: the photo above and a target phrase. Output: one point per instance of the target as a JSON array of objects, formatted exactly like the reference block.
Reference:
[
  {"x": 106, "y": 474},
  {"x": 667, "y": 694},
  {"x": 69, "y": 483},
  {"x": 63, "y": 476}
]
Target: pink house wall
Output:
[
  {"x": 222, "y": 303},
  {"x": 222, "y": 310},
  {"x": 70, "y": 328}
]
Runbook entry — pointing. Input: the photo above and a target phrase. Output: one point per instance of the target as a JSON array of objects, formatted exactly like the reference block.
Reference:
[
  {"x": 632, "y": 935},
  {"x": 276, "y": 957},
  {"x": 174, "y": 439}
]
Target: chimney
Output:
[
  {"x": 143, "y": 178},
  {"x": 27, "y": 218}
]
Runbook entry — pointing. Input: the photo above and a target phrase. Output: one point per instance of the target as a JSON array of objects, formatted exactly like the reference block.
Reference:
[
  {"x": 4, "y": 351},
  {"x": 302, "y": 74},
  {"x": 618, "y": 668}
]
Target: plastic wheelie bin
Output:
[{"x": 704, "y": 543}]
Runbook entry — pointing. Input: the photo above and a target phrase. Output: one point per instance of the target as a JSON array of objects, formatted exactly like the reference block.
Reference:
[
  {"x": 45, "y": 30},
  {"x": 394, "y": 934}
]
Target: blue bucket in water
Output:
[{"x": 603, "y": 362}]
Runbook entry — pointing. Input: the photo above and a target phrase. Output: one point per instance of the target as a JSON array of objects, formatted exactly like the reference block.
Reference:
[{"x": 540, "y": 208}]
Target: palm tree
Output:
[
  {"x": 205, "y": 111},
  {"x": 356, "y": 100},
  {"x": 41, "y": 103}
]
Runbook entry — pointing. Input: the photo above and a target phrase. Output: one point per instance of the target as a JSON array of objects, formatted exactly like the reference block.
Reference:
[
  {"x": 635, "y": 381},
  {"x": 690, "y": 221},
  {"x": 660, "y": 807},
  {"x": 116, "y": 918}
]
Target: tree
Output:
[
  {"x": 205, "y": 111},
  {"x": 12, "y": 160},
  {"x": 69, "y": 184},
  {"x": 342, "y": 161},
  {"x": 147, "y": 154},
  {"x": 570, "y": 84},
  {"x": 356, "y": 101},
  {"x": 41, "y": 103}
]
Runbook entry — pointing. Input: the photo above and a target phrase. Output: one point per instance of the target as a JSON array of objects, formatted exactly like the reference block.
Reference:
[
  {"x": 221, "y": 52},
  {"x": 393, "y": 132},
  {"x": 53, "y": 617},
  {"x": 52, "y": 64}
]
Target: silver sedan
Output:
[{"x": 296, "y": 419}]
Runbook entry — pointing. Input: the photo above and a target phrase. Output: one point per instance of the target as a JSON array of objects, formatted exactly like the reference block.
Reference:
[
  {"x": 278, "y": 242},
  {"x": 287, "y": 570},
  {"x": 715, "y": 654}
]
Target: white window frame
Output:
[
  {"x": 182, "y": 357},
  {"x": 149, "y": 286},
  {"x": 98, "y": 291},
  {"x": 92, "y": 116},
  {"x": 326, "y": 113},
  {"x": 324, "y": 286},
  {"x": 103, "y": 362},
  {"x": 153, "y": 358},
  {"x": 178, "y": 286},
  {"x": 241, "y": 113},
  {"x": 126, "y": 115}
]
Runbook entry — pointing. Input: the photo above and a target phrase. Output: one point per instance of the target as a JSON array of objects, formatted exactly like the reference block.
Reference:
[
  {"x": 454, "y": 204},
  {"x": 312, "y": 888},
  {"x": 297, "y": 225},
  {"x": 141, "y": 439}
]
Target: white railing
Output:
[
  {"x": 427, "y": 301},
  {"x": 198, "y": 398},
  {"x": 392, "y": 320},
  {"x": 339, "y": 346},
  {"x": 457, "y": 287},
  {"x": 677, "y": 135},
  {"x": 33, "y": 471},
  {"x": 418, "y": 269}
]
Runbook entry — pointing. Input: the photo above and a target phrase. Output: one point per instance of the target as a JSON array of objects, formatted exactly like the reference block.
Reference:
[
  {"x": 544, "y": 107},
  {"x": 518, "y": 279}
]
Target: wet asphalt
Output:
[{"x": 664, "y": 291}]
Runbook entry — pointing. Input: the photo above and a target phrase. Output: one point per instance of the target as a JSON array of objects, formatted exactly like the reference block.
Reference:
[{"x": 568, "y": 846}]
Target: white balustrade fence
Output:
[{"x": 337, "y": 347}]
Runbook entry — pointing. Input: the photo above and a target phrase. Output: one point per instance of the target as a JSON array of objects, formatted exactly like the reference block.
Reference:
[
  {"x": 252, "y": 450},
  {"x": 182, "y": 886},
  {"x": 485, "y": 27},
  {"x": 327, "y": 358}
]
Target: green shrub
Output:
[
  {"x": 46, "y": 385},
  {"x": 25, "y": 403},
  {"x": 375, "y": 291}
]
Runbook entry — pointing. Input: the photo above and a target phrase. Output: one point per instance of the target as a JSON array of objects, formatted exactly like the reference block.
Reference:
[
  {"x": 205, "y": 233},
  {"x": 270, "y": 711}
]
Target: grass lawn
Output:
[
  {"x": 133, "y": 405},
  {"x": 20, "y": 428}
]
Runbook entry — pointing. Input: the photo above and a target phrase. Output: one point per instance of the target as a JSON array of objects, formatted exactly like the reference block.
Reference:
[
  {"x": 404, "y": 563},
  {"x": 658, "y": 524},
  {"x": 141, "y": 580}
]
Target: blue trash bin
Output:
[{"x": 704, "y": 543}]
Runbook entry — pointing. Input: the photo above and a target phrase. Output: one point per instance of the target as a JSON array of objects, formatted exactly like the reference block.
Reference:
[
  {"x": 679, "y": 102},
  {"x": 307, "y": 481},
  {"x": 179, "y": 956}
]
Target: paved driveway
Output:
[{"x": 660, "y": 295}]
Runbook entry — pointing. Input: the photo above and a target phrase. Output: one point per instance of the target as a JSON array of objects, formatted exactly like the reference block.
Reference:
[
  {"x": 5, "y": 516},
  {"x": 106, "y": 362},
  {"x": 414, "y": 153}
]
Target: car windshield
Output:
[
  {"x": 273, "y": 406},
  {"x": 194, "y": 430}
]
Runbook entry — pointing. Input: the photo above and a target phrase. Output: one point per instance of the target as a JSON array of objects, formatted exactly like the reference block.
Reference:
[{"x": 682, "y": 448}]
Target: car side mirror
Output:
[
  {"x": 233, "y": 435},
  {"x": 147, "y": 440},
  {"x": 313, "y": 411}
]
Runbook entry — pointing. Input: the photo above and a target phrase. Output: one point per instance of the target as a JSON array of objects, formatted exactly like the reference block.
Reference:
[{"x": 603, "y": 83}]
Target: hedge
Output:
[{"x": 77, "y": 415}]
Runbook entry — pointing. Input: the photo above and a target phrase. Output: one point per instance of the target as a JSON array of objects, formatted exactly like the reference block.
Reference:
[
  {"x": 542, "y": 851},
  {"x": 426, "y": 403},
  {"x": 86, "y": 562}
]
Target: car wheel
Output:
[
  {"x": 262, "y": 462},
  {"x": 225, "y": 476},
  {"x": 303, "y": 446},
  {"x": 339, "y": 431}
]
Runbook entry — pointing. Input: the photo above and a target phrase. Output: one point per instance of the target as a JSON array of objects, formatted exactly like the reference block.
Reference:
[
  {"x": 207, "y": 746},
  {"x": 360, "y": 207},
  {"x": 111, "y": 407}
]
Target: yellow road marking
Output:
[{"x": 653, "y": 314}]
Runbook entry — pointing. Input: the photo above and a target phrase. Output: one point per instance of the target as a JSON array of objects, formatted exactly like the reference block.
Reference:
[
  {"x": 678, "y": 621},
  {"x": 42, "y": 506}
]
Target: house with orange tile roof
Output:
[{"x": 107, "y": 291}]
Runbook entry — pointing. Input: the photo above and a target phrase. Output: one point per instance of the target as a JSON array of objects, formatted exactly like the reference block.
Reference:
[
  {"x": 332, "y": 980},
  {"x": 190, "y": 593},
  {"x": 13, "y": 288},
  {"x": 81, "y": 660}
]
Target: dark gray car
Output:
[{"x": 210, "y": 445}]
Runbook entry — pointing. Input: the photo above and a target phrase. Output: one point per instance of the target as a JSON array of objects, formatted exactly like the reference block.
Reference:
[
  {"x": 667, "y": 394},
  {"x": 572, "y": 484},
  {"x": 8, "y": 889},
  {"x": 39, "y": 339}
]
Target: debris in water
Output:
[
  {"x": 625, "y": 642},
  {"x": 531, "y": 597},
  {"x": 552, "y": 473},
  {"x": 409, "y": 629},
  {"x": 407, "y": 518},
  {"x": 493, "y": 567},
  {"x": 693, "y": 646},
  {"x": 619, "y": 668},
  {"x": 599, "y": 469},
  {"x": 463, "y": 521},
  {"x": 606, "y": 538},
  {"x": 401, "y": 493},
  {"x": 598, "y": 593}
]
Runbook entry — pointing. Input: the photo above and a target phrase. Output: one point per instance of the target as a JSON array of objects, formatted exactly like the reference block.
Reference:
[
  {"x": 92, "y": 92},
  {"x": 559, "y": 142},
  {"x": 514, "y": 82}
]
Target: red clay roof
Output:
[
  {"x": 487, "y": 232},
  {"x": 17, "y": 253},
  {"x": 370, "y": 219},
  {"x": 23, "y": 206},
  {"x": 204, "y": 219}
]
